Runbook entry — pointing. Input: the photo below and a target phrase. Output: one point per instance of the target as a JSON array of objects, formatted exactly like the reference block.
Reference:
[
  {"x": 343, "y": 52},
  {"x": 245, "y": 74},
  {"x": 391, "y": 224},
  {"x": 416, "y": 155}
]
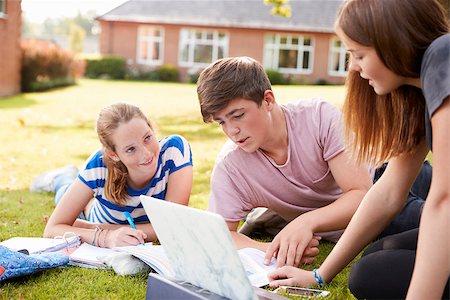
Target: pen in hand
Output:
[{"x": 130, "y": 220}]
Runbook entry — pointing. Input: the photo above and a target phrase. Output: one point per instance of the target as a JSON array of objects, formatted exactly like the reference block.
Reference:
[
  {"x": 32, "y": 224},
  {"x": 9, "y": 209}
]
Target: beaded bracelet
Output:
[
  {"x": 102, "y": 238},
  {"x": 99, "y": 238},
  {"x": 318, "y": 278},
  {"x": 95, "y": 234}
]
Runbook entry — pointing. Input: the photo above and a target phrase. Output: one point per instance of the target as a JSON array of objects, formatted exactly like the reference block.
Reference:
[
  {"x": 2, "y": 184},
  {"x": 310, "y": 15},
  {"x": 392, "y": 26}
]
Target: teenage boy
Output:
[{"x": 287, "y": 158}]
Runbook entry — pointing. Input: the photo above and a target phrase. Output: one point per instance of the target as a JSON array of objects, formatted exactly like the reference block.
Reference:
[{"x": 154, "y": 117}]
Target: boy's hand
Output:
[{"x": 293, "y": 246}]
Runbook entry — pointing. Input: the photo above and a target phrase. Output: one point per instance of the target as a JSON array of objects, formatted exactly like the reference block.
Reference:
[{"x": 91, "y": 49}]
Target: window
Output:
[
  {"x": 199, "y": 48},
  {"x": 2, "y": 8},
  {"x": 337, "y": 65},
  {"x": 150, "y": 45},
  {"x": 289, "y": 54}
]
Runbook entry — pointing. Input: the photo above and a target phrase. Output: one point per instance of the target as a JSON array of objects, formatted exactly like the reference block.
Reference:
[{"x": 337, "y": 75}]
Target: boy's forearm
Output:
[
  {"x": 334, "y": 216},
  {"x": 243, "y": 241}
]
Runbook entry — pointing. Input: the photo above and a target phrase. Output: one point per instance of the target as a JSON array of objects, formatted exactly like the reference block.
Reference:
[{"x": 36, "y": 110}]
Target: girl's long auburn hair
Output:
[
  {"x": 379, "y": 127},
  {"x": 109, "y": 119}
]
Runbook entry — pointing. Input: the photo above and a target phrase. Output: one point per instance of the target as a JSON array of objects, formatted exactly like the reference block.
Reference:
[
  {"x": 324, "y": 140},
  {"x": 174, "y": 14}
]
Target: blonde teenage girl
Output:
[{"x": 132, "y": 162}]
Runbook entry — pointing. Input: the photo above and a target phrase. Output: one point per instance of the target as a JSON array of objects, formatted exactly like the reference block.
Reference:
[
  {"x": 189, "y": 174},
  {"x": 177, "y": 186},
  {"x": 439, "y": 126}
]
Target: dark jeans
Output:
[
  {"x": 61, "y": 185},
  {"x": 409, "y": 217},
  {"x": 385, "y": 268}
]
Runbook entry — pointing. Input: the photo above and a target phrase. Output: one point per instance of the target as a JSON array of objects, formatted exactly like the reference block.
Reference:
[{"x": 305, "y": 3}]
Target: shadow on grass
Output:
[
  {"x": 193, "y": 129},
  {"x": 16, "y": 102}
]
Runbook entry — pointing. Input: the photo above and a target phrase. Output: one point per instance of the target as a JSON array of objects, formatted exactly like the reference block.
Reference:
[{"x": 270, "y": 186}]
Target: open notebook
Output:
[
  {"x": 155, "y": 256},
  {"x": 200, "y": 249}
]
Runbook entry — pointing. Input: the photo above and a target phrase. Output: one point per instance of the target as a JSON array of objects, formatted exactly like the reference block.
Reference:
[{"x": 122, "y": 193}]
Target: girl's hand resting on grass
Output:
[
  {"x": 123, "y": 236},
  {"x": 291, "y": 276}
]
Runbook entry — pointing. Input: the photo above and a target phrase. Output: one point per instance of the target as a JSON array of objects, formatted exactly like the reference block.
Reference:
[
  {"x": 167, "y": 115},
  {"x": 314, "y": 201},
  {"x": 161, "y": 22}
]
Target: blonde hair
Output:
[
  {"x": 109, "y": 119},
  {"x": 379, "y": 127}
]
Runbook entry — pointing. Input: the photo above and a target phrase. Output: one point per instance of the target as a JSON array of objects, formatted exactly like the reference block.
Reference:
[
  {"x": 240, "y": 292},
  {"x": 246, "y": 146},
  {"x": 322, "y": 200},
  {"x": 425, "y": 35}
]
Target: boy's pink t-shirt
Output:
[{"x": 242, "y": 181}]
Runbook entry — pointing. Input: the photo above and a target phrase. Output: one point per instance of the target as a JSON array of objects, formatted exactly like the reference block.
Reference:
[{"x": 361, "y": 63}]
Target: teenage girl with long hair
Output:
[
  {"x": 132, "y": 162},
  {"x": 397, "y": 109}
]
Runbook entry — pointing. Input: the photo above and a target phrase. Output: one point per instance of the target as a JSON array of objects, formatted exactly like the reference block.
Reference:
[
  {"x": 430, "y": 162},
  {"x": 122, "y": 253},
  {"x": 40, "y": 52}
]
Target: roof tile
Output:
[{"x": 307, "y": 15}]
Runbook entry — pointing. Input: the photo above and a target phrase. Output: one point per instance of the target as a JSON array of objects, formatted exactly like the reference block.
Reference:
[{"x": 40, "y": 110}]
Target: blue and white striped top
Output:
[{"x": 175, "y": 154}]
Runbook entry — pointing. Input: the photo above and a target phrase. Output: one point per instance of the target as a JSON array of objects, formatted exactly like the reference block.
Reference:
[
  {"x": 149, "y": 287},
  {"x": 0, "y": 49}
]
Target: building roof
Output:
[{"x": 307, "y": 15}]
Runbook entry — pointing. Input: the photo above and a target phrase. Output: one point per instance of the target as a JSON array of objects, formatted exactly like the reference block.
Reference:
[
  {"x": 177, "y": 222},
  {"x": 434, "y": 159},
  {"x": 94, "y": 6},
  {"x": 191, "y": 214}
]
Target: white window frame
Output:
[
  {"x": 2, "y": 8},
  {"x": 150, "y": 40},
  {"x": 272, "y": 50},
  {"x": 342, "y": 55},
  {"x": 189, "y": 39}
]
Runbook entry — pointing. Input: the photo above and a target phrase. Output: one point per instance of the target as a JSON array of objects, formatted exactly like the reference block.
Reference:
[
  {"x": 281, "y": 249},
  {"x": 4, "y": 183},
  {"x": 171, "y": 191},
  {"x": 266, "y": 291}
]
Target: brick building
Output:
[
  {"x": 10, "y": 54},
  {"x": 190, "y": 34}
]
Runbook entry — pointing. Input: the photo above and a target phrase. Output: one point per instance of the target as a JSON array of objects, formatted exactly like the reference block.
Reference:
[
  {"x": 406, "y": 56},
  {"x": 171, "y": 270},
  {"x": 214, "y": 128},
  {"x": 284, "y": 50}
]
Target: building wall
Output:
[
  {"x": 171, "y": 44},
  {"x": 10, "y": 54},
  {"x": 120, "y": 38},
  {"x": 321, "y": 59},
  {"x": 247, "y": 42}
]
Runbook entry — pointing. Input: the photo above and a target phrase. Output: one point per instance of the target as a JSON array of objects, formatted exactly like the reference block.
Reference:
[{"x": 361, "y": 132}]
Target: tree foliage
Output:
[
  {"x": 283, "y": 9},
  {"x": 280, "y": 7},
  {"x": 60, "y": 25},
  {"x": 76, "y": 37}
]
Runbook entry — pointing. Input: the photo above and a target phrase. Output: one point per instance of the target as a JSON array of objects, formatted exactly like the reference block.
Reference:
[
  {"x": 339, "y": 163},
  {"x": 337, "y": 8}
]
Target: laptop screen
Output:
[{"x": 200, "y": 248}]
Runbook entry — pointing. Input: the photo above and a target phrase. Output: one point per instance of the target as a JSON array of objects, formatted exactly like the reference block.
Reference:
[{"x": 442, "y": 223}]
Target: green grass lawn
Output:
[{"x": 42, "y": 131}]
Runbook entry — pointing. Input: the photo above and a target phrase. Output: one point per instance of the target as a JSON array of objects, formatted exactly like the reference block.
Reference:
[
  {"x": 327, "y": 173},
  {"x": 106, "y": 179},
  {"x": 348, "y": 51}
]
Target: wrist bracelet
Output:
[
  {"x": 95, "y": 234},
  {"x": 105, "y": 234},
  {"x": 317, "y": 277}
]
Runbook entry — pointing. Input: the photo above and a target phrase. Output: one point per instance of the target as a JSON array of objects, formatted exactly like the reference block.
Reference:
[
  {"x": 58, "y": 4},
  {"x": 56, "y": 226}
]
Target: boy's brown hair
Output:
[{"x": 228, "y": 79}]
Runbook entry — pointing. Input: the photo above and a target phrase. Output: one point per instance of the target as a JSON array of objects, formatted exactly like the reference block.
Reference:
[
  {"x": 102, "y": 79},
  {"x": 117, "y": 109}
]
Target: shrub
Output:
[
  {"x": 141, "y": 74},
  {"x": 193, "y": 78},
  {"x": 151, "y": 75},
  {"x": 113, "y": 67},
  {"x": 168, "y": 73},
  {"x": 163, "y": 73},
  {"x": 300, "y": 80},
  {"x": 322, "y": 82},
  {"x": 39, "y": 86},
  {"x": 78, "y": 67},
  {"x": 275, "y": 77},
  {"x": 45, "y": 66}
]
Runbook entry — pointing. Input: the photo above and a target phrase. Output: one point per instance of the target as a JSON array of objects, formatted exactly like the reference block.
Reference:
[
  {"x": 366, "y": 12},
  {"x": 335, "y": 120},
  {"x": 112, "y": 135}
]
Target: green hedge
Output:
[
  {"x": 111, "y": 67},
  {"x": 168, "y": 73},
  {"x": 276, "y": 77},
  {"x": 163, "y": 73}
]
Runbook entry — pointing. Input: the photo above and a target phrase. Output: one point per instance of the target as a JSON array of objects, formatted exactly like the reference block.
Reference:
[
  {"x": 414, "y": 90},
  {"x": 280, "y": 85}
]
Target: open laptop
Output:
[{"x": 201, "y": 250}]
